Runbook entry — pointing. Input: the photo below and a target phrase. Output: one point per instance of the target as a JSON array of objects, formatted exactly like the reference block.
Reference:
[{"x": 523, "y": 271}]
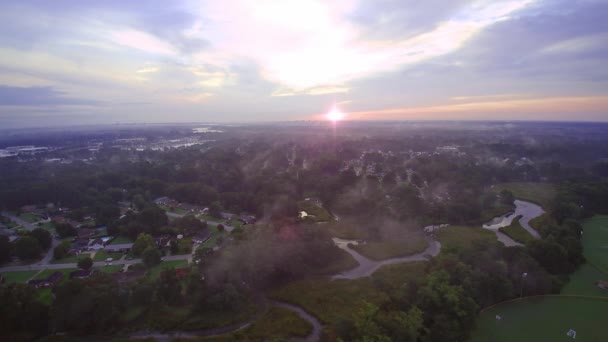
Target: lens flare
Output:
[{"x": 334, "y": 114}]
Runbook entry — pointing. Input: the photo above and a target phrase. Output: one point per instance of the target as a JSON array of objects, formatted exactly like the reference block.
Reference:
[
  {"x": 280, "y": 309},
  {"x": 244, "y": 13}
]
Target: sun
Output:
[{"x": 334, "y": 114}]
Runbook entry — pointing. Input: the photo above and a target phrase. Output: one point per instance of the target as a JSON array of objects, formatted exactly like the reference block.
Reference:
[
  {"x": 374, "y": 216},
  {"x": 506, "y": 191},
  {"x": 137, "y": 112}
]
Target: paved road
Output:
[
  {"x": 122, "y": 261},
  {"x": 16, "y": 219},
  {"x": 367, "y": 266}
]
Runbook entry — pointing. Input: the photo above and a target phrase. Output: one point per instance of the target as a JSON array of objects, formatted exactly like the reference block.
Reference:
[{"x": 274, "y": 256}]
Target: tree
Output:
[
  {"x": 62, "y": 250},
  {"x": 151, "y": 256},
  {"x": 6, "y": 249},
  {"x": 43, "y": 236},
  {"x": 85, "y": 263},
  {"x": 215, "y": 210},
  {"x": 65, "y": 229},
  {"x": 21, "y": 313},
  {"x": 28, "y": 248},
  {"x": 506, "y": 197},
  {"x": 143, "y": 242},
  {"x": 220, "y": 227}
]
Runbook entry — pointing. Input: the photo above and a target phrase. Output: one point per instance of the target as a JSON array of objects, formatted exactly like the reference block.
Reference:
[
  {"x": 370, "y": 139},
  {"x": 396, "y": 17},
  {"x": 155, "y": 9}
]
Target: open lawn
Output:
[
  {"x": 333, "y": 301},
  {"x": 70, "y": 259},
  {"x": 344, "y": 262},
  {"x": 46, "y": 273},
  {"x": 45, "y": 296},
  {"x": 399, "y": 247},
  {"x": 121, "y": 240},
  {"x": 18, "y": 277},
  {"x": 29, "y": 217},
  {"x": 102, "y": 255},
  {"x": 583, "y": 282},
  {"x": 48, "y": 226},
  {"x": 316, "y": 213},
  {"x": 595, "y": 242},
  {"x": 345, "y": 229},
  {"x": 540, "y": 193},
  {"x": 215, "y": 234},
  {"x": 459, "y": 237},
  {"x": 516, "y": 232},
  {"x": 544, "y": 319}
]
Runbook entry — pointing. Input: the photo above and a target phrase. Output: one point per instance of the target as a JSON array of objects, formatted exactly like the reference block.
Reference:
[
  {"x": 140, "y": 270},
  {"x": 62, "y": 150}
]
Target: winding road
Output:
[{"x": 367, "y": 266}]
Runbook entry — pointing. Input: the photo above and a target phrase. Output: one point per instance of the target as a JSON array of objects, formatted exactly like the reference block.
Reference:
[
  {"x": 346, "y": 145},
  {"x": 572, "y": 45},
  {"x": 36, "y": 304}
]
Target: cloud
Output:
[
  {"x": 143, "y": 41},
  {"x": 38, "y": 96}
]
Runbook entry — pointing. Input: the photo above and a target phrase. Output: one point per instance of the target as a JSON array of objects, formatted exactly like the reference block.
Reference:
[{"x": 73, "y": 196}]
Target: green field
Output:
[
  {"x": 516, "y": 232},
  {"x": 549, "y": 318},
  {"x": 544, "y": 319},
  {"x": 595, "y": 242},
  {"x": 121, "y": 240},
  {"x": 212, "y": 241},
  {"x": 102, "y": 255},
  {"x": 414, "y": 244},
  {"x": 460, "y": 237},
  {"x": 46, "y": 273},
  {"x": 109, "y": 268},
  {"x": 316, "y": 213},
  {"x": 333, "y": 301},
  {"x": 18, "y": 277},
  {"x": 29, "y": 217},
  {"x": 71, "y": 259},
  {"x": 540, "y": 193}
]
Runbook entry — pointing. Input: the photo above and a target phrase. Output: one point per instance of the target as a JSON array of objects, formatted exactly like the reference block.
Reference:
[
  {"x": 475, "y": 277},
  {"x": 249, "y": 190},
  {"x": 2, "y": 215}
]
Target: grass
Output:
[
  {"x": 45, "y": 296},
  {"x": 215, "y": 234},
  {"x": 344, "y": 262},
  {"x": 276, "y": 323},
  {"x": 347, "y": 230},
  {"x": 582, "y": 282},
  {"x": 595, "y": 242},
  {"x": 102, "y": 255},
  {"x": 540, "y": 193},
  {"x": 184, "y": 246},
  {"x": 539, "y": 223},
  {"x": 394, "y": 248},
  {"x": 316, "y": 213},
  {"x": 544, "y": 319},
  {"x": 212, "y": 318},
  {"x": 48, "y": 226},
  {"x": 121, "y": 240},
  {"x": 18, "y": 276},
  {"x": 29, "y": 217},
  {"x": 516, "y": 232},
  {"x": 208, "y": 218},
  {"x": 109, "y": 268},
  {"x": 71, "y": 259},
  {"x": 461, "y": 237},
  {"x": 154, "y": 272},
  {"x": 47, "y": 272},
  {"x": 333, "y": 301}
]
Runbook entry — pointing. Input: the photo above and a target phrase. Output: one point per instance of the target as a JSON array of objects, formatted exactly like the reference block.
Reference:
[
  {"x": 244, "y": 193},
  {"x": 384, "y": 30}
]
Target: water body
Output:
[
  {"x": 367, "y": 266},
  {"x": 527, "y": 210}
]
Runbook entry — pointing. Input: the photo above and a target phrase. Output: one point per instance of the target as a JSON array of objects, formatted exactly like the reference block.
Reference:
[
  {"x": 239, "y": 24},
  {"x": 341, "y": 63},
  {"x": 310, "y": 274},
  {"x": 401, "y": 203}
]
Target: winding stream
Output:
[{"x": 527, "y": 210}]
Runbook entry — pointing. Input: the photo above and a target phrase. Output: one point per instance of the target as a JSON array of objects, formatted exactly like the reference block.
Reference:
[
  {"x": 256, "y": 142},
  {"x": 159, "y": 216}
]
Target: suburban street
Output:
[
  {"x": 19, "y": 221},
  {"x": 123, "y": 261}
]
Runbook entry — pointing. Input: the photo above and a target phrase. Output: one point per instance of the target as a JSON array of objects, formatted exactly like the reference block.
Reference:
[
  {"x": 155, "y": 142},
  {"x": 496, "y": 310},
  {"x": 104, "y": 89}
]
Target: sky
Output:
[{"x": 68, "y": 62}]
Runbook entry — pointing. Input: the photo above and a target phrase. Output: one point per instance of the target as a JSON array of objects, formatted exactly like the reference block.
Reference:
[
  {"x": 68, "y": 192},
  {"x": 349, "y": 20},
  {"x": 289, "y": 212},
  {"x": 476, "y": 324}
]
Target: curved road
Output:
[{"x": 367, "y": 266}]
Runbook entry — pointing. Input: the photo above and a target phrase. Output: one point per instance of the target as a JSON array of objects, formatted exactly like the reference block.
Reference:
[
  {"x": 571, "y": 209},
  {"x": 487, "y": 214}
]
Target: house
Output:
[
  {"x": 81, "y": 274},
  {"x": 247, "y": 219},
  {"x": 201, "y": 236},
  {"x": 95, "y": 244},
  {"x": 163, "y": 241},
  {"x": 86, "y": 233},
  {"x": 166, "y": 201},
  {"x": 79, "y": 245},
  {"x": 119, "y": 248},
  {"x": 191, "y": 208},
  {"x": 52, "y": 280},
  {"x": 602, "y": 284},
  {"x": 227, "y": 216}
]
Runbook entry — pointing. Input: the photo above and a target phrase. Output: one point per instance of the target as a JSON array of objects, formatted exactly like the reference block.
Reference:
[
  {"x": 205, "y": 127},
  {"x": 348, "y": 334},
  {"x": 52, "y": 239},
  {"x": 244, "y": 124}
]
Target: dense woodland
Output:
[{"x": 267, "y": 174}]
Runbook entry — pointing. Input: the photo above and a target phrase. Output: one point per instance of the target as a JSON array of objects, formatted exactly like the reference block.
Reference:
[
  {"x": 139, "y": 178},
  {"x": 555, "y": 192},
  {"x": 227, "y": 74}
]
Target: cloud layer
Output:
[{"x": 250, "y": 60}]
